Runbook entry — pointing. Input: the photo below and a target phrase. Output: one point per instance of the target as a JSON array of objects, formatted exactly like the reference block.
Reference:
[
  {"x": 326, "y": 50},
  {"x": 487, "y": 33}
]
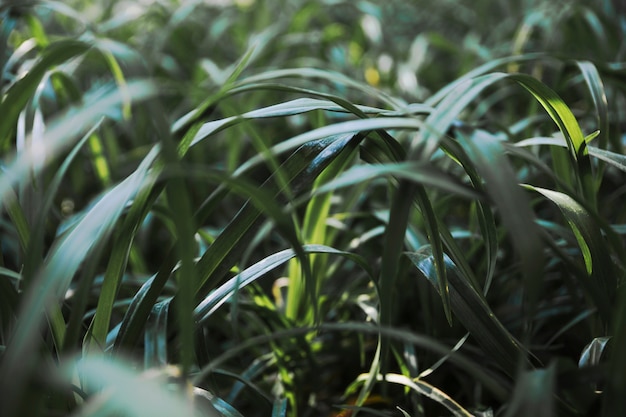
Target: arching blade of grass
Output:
[
  {"x": 592, "y": 353},
  {"x": 471, "y": 309},
  {"x": 600, "y": 102},
  {"x": 565, "y": 120},
  {"x": 438, "y": 122},
  {"x": 615, "y": 159},
  {"x": 288, "y": 108},
  {"x": 294, "y": 107},
  {"x": 22, "y": 91},
  {"x": 332, "y": 77},
  {"x": 223, "y": 293},
  {"x": 337, "y": 129},
  {"x": 342, "y": 104},
  {"x": 421, "y": 173},
  {"x": 138, "y": 311},
  {"x": 481, "y": 70},
  {"x": 428, "y": 390},
  {"x": 593, "y": 247}
]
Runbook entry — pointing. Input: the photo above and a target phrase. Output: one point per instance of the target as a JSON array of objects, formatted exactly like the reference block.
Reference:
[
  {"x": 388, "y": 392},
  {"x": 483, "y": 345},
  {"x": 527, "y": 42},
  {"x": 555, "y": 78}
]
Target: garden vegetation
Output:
[{"x": 312, "y": 208}]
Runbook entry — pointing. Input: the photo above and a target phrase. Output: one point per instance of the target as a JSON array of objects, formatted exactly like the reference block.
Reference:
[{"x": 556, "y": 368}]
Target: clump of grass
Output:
[{"x": 301, "y": 210}]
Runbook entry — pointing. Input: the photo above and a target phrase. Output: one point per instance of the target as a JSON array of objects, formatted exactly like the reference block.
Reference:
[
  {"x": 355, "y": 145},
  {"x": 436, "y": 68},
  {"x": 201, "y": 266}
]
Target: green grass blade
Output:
[
  {"x": 394, "y": 239},
  {"x": 598, "y": 263},
  {"x": 569, "y": 127},
  {"x": 430, "y": 391},
  {"x": 300, "y": 106},
  {"x": 354, "y": 127},
  {"x": 615, "y": 159},
  {"x": 592, "y": 353},
  {"x": 514, "y": 208},
  {"x": 599, "y": 98},
  {"x": 119, "y": 257},
  {"x": 22, "y": 91},
  {"x": 431, "y": 224},
  {"x": 138, "y": 311},
  {"x": 314, "y": 73},
  {"x": 224, "y": 292},
  {"x": 314, "y": 230},
  {"x": 419, "y": 173},
  {"x": 481, "y": 70},
  {"x": 486, "y": 221},
  {"x": 438, "y": 122},
  {"x": 155, "y": 336},
  {"x": 471, "y": 309}
]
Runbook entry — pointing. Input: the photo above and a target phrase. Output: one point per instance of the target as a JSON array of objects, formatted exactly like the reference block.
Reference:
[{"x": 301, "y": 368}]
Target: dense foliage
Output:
[{"x": 312, "y": 208}]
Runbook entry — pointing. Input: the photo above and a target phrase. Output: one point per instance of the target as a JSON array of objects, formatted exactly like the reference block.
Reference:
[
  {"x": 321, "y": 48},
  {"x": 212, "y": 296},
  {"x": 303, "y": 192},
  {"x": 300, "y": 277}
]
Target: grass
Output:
[{"x": 312, "y": 208}]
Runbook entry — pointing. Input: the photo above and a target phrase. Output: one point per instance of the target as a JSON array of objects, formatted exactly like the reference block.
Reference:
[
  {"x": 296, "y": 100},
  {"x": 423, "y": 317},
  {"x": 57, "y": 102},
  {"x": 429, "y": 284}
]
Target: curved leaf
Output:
[
  {"x": 18, "y": 95},
  {"x": 569, "y": 127},
  {"x": 471, "y": 309},
  {"x": 593, "y": 247},
  {"x": 421, "y": 173},
  {"x": 223, "y": 293},
  {"x": 430, "y": 391}
]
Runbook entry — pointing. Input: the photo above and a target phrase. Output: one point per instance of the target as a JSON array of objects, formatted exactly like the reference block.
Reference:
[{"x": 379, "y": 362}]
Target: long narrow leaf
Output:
[
  {"x": 20, "y": 92},
  {"x": 471, "y": 309},
  {"x": 223, "y": 293},
  {"x": 598, "y": 263}
]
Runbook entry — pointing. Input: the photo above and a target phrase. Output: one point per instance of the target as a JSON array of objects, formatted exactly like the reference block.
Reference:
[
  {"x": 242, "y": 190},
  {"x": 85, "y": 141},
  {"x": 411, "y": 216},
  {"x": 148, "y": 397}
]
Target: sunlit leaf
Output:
[{"x": 592, "y": 246}]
